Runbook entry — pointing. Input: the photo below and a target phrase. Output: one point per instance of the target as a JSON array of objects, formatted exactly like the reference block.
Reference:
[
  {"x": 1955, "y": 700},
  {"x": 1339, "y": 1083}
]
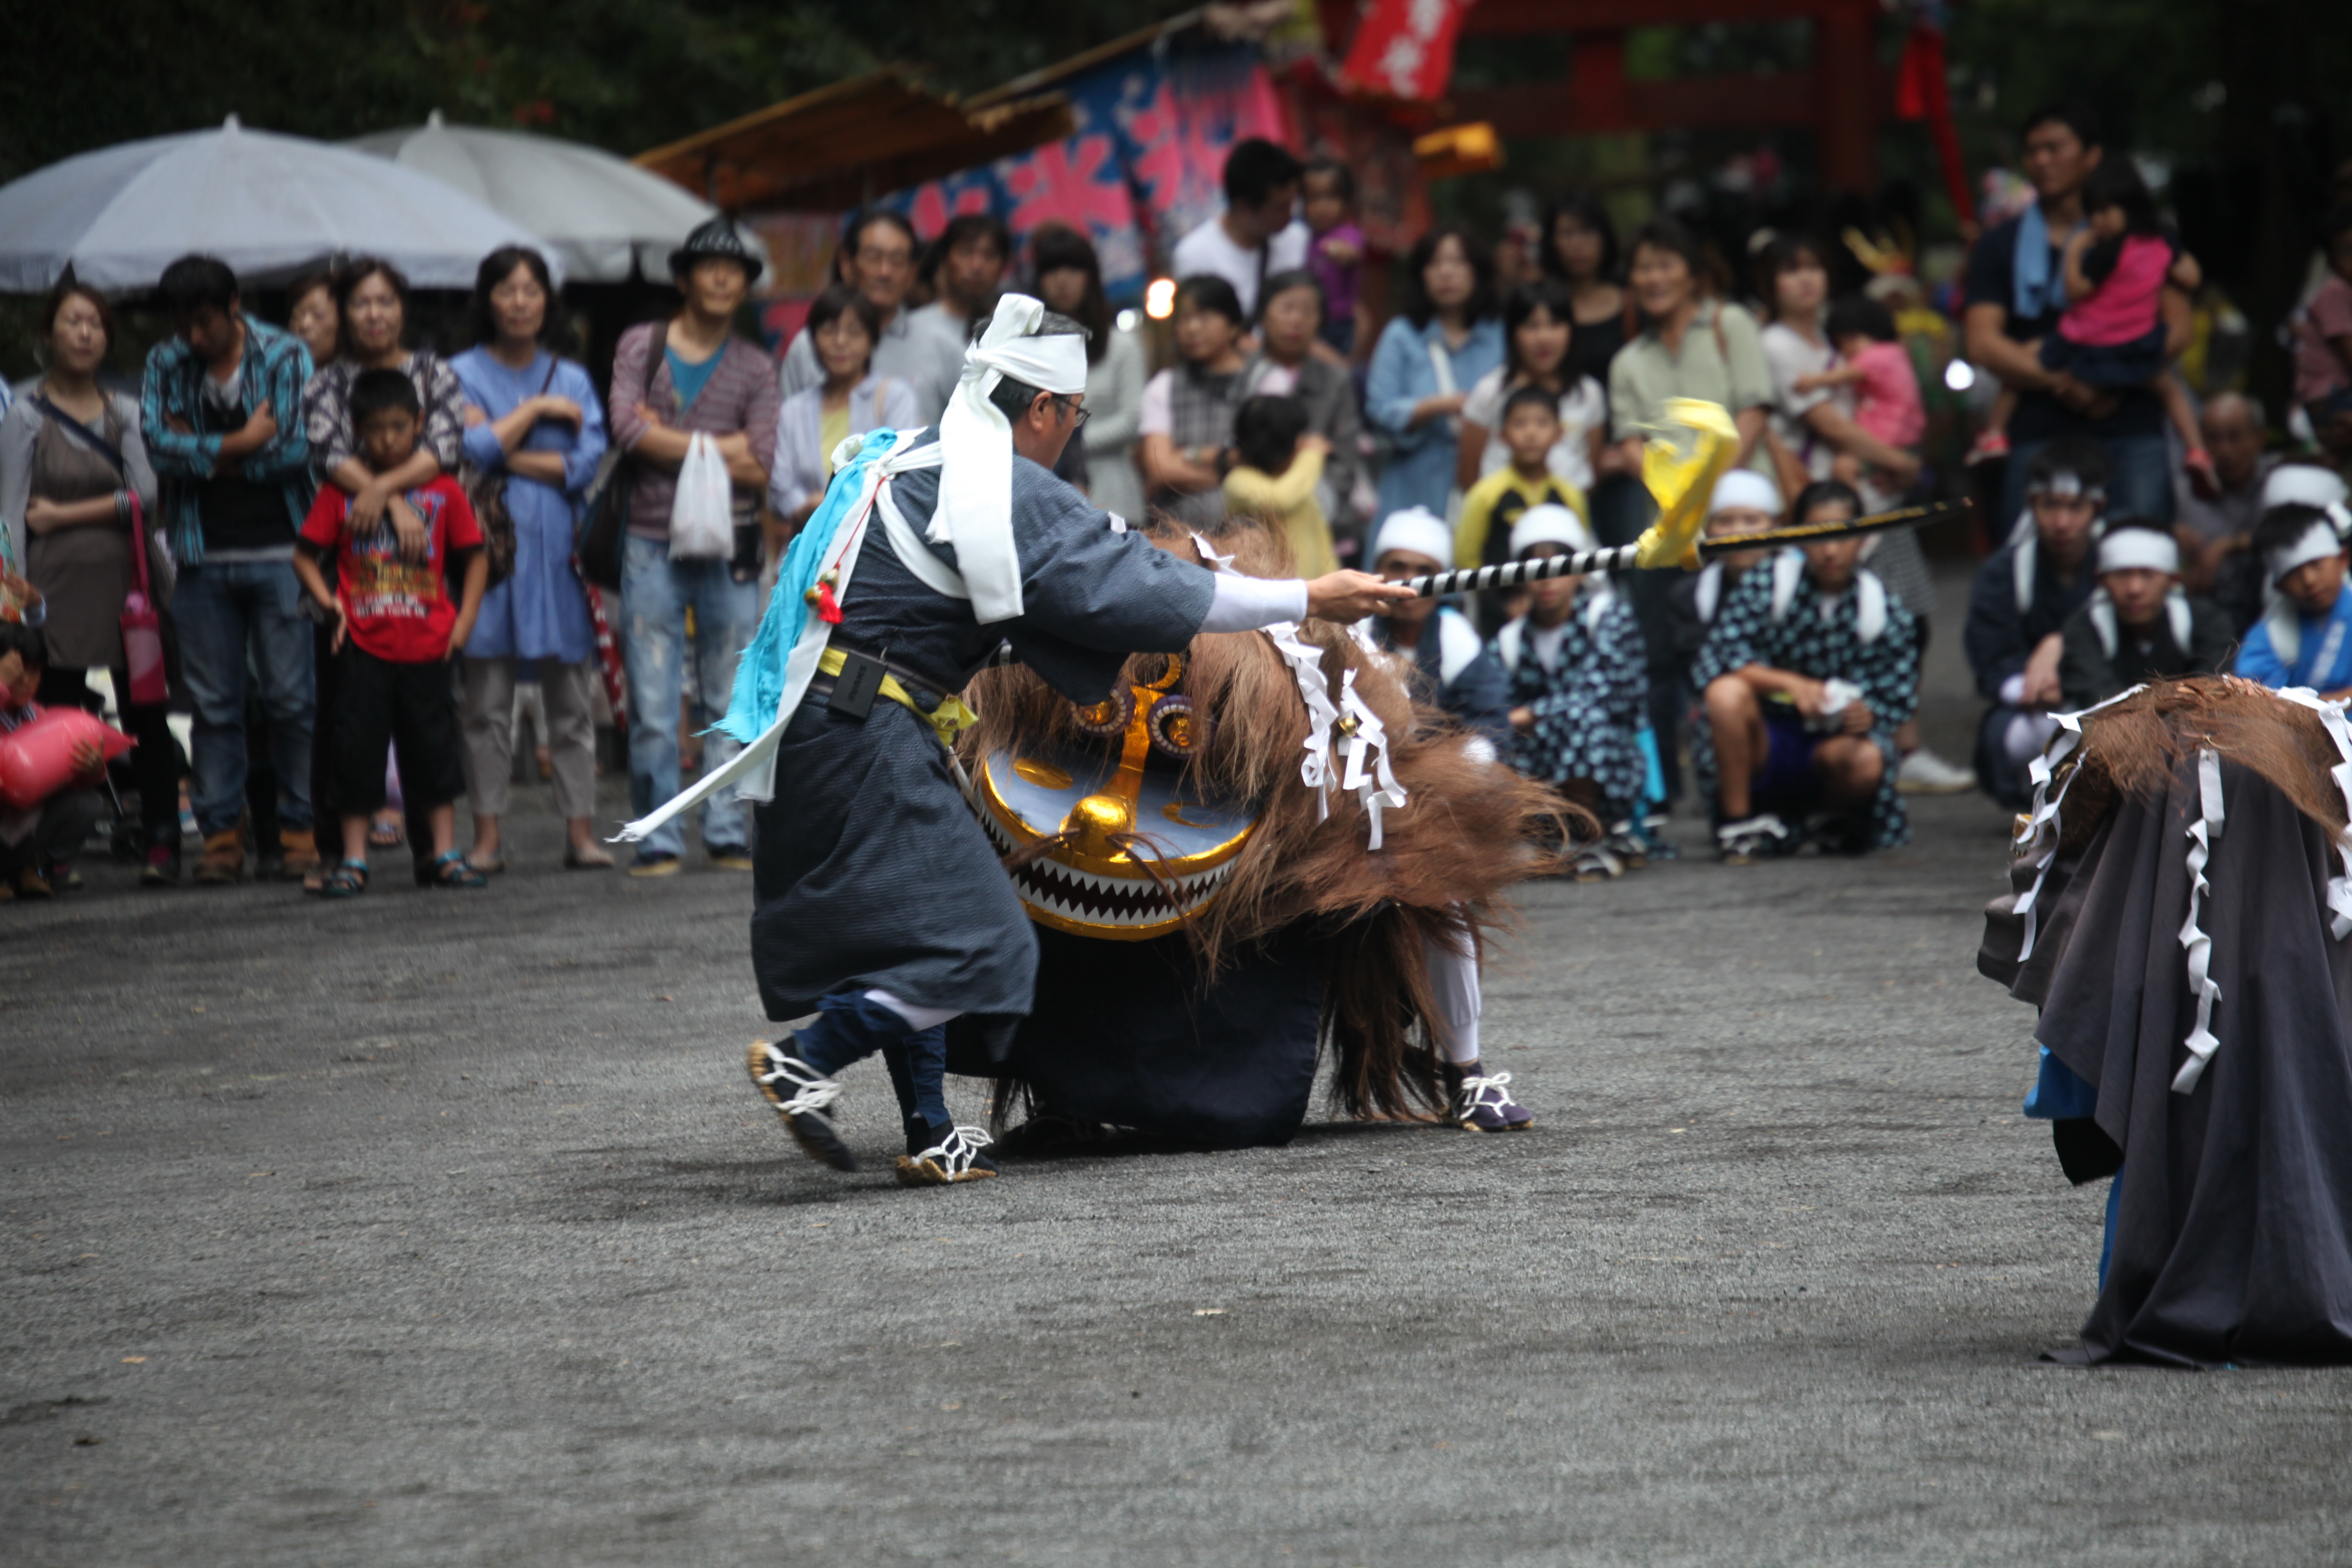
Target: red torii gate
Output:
[{"x": 1845, "y": 96}]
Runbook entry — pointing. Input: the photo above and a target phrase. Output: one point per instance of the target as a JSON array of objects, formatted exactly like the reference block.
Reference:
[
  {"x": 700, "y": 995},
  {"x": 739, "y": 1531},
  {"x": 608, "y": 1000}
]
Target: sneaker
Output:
[
  {"x": 1595, "y": 863},
  {"x": 1625, "y": 841},
  {"x": 802, "y": 1096},
  {"x": 956, "y": 1157},
  {"x": 163, "y": 866},
  {"x": 731, "y": 859},
  {"x": 1925, "y": 773},
  {"x": 1739, "y": 843},
  {"x": 1482, "y": 1103},
  {"x": 654, "y": 866},
  {"x": 1990, "y": 446},
  {"x": 62, "y": 878}
]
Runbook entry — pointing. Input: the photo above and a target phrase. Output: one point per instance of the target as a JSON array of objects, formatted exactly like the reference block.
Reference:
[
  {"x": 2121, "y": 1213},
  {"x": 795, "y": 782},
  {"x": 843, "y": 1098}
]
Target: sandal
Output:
[
  {"x": 348, "y": 880},
  {"x": 588, "y": 860},
  {"x": 386, "y": 835},
  {"x": 450, "y": 870}
]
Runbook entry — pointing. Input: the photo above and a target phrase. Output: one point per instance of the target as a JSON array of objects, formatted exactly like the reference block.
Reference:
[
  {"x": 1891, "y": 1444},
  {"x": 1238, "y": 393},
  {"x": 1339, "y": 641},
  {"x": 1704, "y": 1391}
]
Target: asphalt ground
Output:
[{"x": 438, "y": 1229}]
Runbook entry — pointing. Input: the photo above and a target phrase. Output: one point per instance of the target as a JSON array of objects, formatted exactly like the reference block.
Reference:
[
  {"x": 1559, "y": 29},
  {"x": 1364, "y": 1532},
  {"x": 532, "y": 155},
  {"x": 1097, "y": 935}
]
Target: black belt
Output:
[{"x": 922, "y": 688}]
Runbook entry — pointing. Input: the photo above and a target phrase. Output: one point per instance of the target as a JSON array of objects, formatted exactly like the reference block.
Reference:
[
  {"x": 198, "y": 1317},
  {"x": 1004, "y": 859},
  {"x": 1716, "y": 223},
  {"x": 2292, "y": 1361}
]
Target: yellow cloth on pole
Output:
[{"x": 1682, "y": 483}]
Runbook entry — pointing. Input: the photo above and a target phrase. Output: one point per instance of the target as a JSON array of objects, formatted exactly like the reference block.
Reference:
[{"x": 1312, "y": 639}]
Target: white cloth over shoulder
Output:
[{"x": 975, "y": 505}]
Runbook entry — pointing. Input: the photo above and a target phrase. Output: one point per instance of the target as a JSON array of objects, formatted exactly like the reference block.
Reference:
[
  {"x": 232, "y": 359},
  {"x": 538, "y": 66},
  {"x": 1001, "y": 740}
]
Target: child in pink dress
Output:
[
  {"x": 1873, "y": 360},
  {"x": 2112, "y": 336}
]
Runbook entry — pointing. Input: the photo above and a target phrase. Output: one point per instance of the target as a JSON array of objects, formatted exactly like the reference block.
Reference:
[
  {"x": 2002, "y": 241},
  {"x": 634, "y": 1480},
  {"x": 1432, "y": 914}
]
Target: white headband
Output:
[
  {"x": 2302, "y": 484},
  {"x": 1417, "y": 531},
  {"x": 2066, "y": 482},
  {"x": 975, "y": 505},
  {"x": 2140, "y": 548},
  {"x": 2316, "y": 544},
  {"x": 1550, "y": 523},
  {"x": 1746, "y": 489}
]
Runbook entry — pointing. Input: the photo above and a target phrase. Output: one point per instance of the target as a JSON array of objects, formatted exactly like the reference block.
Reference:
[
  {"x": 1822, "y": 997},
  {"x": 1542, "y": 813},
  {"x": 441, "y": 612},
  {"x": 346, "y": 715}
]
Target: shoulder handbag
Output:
[
  {"x": 142, "y": 624},
  {"x": 604, "y": 516},
  {"x": 486, "y": 492}
]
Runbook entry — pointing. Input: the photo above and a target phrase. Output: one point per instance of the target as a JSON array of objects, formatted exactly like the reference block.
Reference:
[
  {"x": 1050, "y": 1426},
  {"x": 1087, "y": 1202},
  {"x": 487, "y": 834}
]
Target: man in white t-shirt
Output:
[{"x": 1255, "y": 236}]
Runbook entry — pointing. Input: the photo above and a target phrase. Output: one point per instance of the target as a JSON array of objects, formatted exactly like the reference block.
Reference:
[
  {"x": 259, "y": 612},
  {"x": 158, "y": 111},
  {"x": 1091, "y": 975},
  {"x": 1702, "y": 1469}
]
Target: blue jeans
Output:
[
  {"x": 656, "y": 594},
  {"x": 233, "y": 619},
  {"x": 2139, "y": 479}
]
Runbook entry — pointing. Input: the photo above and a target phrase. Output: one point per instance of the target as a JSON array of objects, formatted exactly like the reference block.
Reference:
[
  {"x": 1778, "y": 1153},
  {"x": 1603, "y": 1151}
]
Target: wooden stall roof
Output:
[{"x": 843, "y": 144}]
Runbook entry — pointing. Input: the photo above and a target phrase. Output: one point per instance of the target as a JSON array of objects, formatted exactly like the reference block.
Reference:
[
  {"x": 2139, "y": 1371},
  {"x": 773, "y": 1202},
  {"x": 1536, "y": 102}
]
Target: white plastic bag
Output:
[{"x": 701, "y": 517}]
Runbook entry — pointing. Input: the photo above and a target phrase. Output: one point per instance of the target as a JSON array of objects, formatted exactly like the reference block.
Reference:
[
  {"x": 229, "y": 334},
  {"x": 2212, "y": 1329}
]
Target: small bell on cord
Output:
[{"x": 828, "y": 608}]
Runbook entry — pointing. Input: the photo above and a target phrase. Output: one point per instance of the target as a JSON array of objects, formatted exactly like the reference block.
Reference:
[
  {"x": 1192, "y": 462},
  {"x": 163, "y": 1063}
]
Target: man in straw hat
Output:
[{"x": 880, "y": 906}]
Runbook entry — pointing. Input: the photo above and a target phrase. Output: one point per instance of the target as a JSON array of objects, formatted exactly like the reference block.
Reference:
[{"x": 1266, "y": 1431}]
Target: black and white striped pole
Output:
[{"x": 1623, "y": 557}]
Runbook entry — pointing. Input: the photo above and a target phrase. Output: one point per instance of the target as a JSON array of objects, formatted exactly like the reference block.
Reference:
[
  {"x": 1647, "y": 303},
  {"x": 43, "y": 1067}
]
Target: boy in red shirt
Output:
[{"x": 396, "y": 633}]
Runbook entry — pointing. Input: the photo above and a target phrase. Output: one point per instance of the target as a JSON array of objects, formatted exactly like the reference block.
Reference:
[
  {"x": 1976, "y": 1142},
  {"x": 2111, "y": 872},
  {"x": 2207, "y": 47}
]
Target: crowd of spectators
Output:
[{"x": 364, "y": 552}]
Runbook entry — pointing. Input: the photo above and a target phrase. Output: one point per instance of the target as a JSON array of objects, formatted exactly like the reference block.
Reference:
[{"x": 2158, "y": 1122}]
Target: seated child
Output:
[
  {"x": 1455, "y": 669},
  {"x": 1580, "y": 691},
  {"x": 1281, "y": 463},
  {"x": 2305, "y": 637},
  {"x": 2139, "y": 625},
  {"x": 1808, "y": 670},
  {"x": 1335, "y": 251},
  {"x": 396, "y": 633},
  {"x": 2112, "y": 336},
  {"x": 1745, "y": 501},
  {"x": 38, "y": 842},
  {"x": 1873, "y": 362}
]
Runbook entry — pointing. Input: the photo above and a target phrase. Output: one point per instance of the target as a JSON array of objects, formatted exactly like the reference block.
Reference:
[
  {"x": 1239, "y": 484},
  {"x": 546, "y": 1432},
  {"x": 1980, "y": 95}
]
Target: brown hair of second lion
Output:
[
  {"x": 2137, "y": 746},
  {"x": 1469, "y": 830}
]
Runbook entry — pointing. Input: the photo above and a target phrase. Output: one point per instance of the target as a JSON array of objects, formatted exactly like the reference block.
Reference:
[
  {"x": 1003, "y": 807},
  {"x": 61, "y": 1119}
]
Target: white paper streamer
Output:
[
  {"x": 2339, "y": 887},
  {"x": 1365, "y": 767},
  {"x": 1369, "y": 773},
  {"x": 2201, "y": 1042},
  {"x": 2044, "y": 817}
]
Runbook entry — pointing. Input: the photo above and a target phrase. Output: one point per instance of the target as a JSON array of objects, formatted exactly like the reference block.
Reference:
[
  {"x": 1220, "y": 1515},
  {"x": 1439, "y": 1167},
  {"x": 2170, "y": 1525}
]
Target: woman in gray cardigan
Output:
[{"x": 78, "y": 498}]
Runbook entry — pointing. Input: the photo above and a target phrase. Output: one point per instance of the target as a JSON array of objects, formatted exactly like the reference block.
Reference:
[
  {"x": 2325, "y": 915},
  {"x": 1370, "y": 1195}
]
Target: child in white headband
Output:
[
  {"x": 2138, "y": 625},
  {"x": 2305, "y": 637},
  {"x": 1580, "y": 693}
]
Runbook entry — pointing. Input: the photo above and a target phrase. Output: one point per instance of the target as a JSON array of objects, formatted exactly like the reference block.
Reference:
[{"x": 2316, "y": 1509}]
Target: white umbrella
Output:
[
  {"x": 598, "y": 212},
  {"x": 263, "y": 202}
]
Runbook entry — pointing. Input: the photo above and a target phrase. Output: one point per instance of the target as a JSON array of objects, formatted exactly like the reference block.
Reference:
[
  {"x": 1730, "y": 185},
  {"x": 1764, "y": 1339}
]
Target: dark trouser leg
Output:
[{"x": 918, "y": 1069}]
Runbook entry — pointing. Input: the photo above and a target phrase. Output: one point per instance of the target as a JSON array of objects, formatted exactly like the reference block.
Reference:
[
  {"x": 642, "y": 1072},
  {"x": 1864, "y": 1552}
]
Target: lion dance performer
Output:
[
  {"x": 2180, "y": 914},
  {"x": 881, "y": 904}
]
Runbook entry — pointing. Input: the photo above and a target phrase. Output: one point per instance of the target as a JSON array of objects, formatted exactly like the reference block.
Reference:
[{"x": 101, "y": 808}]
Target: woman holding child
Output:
[
  {"x": 535, "y": 431},
  {"x": 1813, "y": 435},
  {"x": 372, "y": 303}
]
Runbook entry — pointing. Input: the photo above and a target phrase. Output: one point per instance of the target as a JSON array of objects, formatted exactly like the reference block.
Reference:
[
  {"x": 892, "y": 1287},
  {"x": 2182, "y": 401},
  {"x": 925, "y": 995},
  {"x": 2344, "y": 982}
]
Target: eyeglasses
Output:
[
  {"x": 1079, "y": 412},
  {"x": 876, "y": 256}
]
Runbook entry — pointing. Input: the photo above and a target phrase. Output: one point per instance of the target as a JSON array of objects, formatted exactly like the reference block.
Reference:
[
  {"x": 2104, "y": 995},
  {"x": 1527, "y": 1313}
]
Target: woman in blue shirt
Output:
[
  {"x": 1450, "y": 334},
  {"x": 532, "y": 419}
]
